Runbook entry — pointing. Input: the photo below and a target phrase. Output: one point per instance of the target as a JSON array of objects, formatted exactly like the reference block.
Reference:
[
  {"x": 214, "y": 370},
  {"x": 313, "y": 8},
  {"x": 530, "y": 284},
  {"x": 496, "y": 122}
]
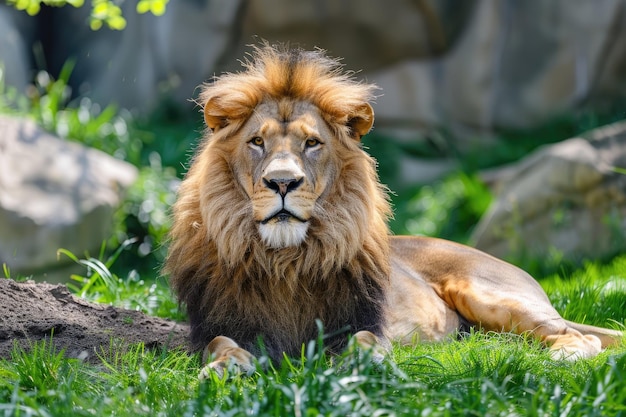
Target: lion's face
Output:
[
  {"x": 284, "y": 163},
  {"x": 282, "y": 168}
]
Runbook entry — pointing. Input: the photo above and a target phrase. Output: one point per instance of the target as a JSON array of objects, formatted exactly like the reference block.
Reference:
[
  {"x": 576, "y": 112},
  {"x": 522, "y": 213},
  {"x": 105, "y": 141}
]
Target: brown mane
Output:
[
  {"x": 277, "y": 73},
  {"x": 234, "y": 285}
]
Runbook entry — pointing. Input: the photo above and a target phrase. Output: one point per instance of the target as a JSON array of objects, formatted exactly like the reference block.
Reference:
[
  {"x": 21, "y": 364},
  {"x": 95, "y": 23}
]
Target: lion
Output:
[{"x": 281, "y": 221}]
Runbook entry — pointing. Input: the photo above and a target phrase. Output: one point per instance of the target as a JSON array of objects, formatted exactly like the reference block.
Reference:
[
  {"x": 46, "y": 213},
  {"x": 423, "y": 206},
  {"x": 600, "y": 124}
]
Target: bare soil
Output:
[{"x": 30, "y": 312}]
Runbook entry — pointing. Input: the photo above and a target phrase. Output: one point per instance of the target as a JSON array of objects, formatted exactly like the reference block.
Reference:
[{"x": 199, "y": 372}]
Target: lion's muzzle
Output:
[{"x": 284, "y": 223}]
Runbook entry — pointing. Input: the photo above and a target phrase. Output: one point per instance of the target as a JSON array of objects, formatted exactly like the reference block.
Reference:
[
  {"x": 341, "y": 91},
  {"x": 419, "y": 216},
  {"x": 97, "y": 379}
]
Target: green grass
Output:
[
  {"x": 480, "y": 374},
  {"x": 100, "y": 284},
  {"x": 595, "y": 293}
]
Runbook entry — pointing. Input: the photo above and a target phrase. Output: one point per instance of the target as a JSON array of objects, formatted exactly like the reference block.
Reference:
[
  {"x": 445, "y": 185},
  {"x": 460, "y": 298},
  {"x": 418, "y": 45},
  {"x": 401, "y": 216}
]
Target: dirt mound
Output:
[{"x": 31, "y": 311}]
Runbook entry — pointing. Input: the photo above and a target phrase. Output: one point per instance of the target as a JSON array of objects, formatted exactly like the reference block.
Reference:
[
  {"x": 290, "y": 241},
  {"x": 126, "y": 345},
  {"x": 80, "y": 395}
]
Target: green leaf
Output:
[
  {"x": 6, "y": 270},
  {"x": 619, "y": 170},
  {"x": 116, "y": 22},
  {"x": 33, "y": 8},
  {"x": 158, "y": 8},
  {"x": 143, "y": 6},
  {"x": 100, "y": 10},
  {"x": 69, "y": 254},
  {"x": 21, "y": 4}
]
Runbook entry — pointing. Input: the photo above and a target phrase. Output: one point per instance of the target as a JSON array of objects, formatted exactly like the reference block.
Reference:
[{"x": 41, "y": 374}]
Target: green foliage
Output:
[
  {"x": 106, "y": 11},
  {"x": 448, "y": 208},
  {"x": 145, "y": 216},
  {"x": 32, "y": 7},
  {"x": 311, "y": 385},
  {"x": 80, "y": 120},
  {"x": 101, "y": 285},
  {"x": 499, "y": 374},
  {"x": 103, "y": 12},
  {"x": 6, "y": 270},
  {"x": 41, "y": 367},
  {"x": 130, "y": 382},
  {"x": 577, "y": 295},
  {"x": 494, "y": 375},
  {"x": 144, "y": 377},
  {"x": 156, "y": 7}
]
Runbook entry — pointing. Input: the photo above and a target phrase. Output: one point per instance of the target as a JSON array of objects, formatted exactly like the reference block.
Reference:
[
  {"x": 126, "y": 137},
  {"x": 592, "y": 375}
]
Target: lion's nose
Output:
[
  {"x": 283, "y": 175},
  {"x": 282, "y": 185}
]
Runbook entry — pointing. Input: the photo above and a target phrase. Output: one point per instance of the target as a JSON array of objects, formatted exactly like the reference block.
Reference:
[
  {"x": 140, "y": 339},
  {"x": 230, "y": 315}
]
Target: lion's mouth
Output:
[{"x": 282, "y": 216}]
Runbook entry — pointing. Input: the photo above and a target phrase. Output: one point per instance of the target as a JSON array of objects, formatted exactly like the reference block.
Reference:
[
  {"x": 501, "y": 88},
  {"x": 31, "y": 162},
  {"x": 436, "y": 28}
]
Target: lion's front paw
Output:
[
  {"x": 369, "y": 342},
  {"x": 226, "y": 354},
  {"x": 219, "y": 368}
]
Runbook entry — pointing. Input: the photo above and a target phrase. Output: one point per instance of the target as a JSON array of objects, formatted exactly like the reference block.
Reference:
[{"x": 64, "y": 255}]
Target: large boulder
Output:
[
  {"x": 515, "y": 65},
  {"x": 468, "y": 66},
  {"x": 53, "y": 194},
  {"x": 569, "y": 197}
]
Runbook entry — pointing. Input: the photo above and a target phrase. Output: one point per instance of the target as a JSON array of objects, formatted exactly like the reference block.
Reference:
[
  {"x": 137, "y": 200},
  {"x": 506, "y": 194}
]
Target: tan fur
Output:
[
  {"x": 220, "y": 268},
  {"x": 281, "y": 220}
]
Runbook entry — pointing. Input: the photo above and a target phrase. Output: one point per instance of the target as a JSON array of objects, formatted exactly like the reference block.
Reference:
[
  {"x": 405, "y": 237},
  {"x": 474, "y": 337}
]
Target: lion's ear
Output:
[
  {"x": 215, "y": 115},
  {"x": 219, "y": 112},
  {"x": 361, "y": 121}
]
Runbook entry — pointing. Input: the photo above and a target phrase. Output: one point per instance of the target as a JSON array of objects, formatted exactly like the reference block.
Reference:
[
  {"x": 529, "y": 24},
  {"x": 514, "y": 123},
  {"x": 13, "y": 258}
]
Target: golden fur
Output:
[
  {"x": 281, "y": 221},
  {"x": 230, "y": 281}
]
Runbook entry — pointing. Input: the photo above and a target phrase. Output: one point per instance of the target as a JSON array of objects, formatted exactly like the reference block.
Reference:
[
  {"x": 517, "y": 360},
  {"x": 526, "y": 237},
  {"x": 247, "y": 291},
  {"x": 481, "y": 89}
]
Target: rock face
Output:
[
  {"x": 569, "y": 197},
  {"x": 53, "y": 194},
  {"x": 31, "y": 312},
  {"x": 467, "y": 66}
]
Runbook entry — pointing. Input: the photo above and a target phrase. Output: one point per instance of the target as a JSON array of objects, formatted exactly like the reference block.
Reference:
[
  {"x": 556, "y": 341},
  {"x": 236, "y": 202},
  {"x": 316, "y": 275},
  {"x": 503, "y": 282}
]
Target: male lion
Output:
[{"x": 281, "y": 220}]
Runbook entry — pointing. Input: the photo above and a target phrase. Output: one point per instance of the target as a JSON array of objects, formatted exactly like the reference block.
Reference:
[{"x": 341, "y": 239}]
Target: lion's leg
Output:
[
  {"x": 223, "y": 352},
  {"x": 509, "y": 300},
  {"x": 488, "y": 292},
  {"x": 535, "y": 316}
]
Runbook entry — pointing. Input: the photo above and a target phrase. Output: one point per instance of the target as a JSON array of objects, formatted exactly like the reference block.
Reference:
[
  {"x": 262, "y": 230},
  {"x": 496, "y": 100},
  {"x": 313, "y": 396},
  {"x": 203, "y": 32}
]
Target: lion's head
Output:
[{"x": 281, "y": 219}]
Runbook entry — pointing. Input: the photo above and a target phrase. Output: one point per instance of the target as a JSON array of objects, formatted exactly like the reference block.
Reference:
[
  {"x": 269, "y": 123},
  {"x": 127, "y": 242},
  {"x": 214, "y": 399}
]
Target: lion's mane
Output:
[{"x": 234, "y": 285}]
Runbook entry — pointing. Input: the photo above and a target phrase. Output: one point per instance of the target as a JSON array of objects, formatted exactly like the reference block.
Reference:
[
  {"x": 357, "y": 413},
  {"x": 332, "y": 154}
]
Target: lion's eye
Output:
[
  {"x": 312, "y": 142},
  {"x": 257, "y": 141}
]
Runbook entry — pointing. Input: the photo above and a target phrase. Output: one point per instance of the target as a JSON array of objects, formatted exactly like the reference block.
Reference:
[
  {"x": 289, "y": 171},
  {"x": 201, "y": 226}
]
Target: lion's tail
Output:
[{"x": 608, "y": 337}]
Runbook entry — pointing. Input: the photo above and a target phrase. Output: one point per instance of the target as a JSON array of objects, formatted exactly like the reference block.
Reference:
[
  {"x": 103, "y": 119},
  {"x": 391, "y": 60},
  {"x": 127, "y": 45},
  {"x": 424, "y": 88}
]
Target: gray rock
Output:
[
  {"x": 17, "y": 34},
  {"x": 515, "y": 65},
  {"x": 470, "y": 66},
  {"x": 53, "y": 194},
  {"x": 568, "y": 199}
]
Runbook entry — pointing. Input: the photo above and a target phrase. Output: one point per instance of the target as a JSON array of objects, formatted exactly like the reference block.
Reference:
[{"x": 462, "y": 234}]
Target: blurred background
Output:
[{"x": 498, "y": 124}]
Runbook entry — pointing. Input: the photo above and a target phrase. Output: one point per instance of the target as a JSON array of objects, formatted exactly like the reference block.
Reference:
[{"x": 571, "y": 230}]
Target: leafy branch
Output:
[{"x": 103, "y": 12}]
